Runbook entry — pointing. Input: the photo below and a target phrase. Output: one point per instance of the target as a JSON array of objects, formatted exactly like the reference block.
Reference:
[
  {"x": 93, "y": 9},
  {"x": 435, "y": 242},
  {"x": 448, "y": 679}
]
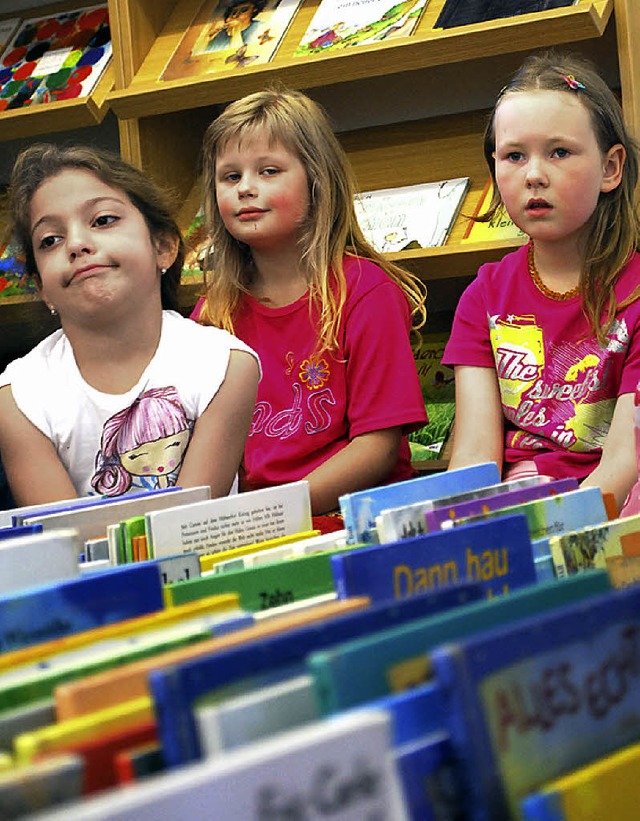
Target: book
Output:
[
  {"x": 438, "y": 390},
  {"x": 178, "y": 688},
  {"x": 397, "y": 659},
  {"x": 496, "y": 554},
  {"x": 227, "y": 35},
  {"x": 91, "y": 520},
  {"x": 106, "y": 689},
  {"x": 21, "y": 559},
  {"x": 606, "y": 788},
  {"x": 466, "y": 12},
  {"x": 7, "y": 29},
  {"x": 499, "y": 227},
  {"x": 232, "y": 521},
  {"x": 408, "y": 520},
  {"x": 232, "y": 559},
  {"x": 427, "y": 771},
  {"x": 442, "y": 517},
  {"x": 351, "y": 752},
  {"x": 22, "y": 719},
  {"x": 56, "y": 57},
  {"x": 49, "y": 611},
  {"x": 14, "y": 280},
  {"x": 411, "y": 216},
  {"x": 339, "y": 24},
  {"x": 136, "y": 763},
  {"x": 55, "y": 781},
  {"x": 577, "y": 550},
  {"x": 534, "y": 700},
  {"x": 359, "y": 509}
]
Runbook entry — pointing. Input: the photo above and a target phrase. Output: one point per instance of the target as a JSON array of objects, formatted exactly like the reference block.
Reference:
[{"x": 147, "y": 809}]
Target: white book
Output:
[
  {"x": 92, "y": 522},
  {"x": 233, "y": 521},
  {"x": 40, "y": 558},
  {"x": 294, "y": 606},
  {"x": 411, "y": 216},
  {"x": 340, "y": 768},
  {"x": 255, "y": 715}
]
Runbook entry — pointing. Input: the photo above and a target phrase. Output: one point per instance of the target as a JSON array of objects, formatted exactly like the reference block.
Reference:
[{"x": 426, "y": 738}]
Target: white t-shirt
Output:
[{"x": 114, "y": 444}]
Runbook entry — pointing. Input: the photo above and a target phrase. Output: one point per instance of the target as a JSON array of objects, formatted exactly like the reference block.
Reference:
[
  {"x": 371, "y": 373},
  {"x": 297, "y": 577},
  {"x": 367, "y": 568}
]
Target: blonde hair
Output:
[
  {"x": 330, "y": 230},
  {"x": 613, "y": 230}
]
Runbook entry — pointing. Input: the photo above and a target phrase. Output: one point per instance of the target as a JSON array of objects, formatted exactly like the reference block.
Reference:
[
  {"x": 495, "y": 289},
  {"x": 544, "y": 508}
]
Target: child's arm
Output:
[
  {"x": 478, "y": 434},
  {"x": 34, "y": 470},
  {"x": 366, "y": 461},
  {"x": 618, "y": 469},
  {"x": 219, "y": 435}
]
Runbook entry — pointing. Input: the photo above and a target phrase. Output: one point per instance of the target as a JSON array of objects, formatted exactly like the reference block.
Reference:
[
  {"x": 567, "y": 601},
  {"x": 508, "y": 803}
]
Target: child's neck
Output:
[
  {"x": 278, "y": 279},
  {"x": 112, "y": 360},
  {"x": 558, "y": 265}
]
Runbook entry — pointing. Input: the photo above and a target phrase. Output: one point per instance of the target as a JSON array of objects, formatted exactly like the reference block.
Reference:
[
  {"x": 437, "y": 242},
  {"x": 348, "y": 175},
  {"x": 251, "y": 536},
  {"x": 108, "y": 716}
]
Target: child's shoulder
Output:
[
  {"x": 363, "y": 275},
  {"x": 512, "y": 265}
]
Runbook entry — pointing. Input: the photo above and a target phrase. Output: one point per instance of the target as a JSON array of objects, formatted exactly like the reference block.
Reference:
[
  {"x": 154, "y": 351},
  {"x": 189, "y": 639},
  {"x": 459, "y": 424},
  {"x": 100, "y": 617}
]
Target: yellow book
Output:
[
  {"x": 56, "y": 737},
  {"x": 208, "y": 562},
  {"x": 500, "y": 227},
  {"x": 129, "y": 627}
]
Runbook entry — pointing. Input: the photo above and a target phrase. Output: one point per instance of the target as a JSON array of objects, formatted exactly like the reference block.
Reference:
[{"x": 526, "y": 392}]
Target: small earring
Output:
[
  {"x": 53, "y": 311},
  {"x": 163, "y": 271}
]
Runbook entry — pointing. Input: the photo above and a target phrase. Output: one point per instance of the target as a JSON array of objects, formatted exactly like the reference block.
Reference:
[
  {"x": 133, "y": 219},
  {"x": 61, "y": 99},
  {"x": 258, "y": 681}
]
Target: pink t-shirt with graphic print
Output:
[
  {"x": 311, "y": 406},
  {"x": 558, "y": 387}
]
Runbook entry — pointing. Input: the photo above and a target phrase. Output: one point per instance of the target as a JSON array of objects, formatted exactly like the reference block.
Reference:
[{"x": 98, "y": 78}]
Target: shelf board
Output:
[{"x": 147, "y": 95}]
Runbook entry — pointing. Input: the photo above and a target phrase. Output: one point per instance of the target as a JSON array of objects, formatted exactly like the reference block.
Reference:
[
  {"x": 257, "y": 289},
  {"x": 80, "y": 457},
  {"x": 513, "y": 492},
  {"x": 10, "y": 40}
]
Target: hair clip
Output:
[{"x": 571, "y": 81}]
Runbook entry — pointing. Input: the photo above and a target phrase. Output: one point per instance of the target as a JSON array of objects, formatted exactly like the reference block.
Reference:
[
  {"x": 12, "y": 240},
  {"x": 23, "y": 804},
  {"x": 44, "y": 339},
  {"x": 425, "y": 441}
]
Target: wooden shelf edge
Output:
[{"x": 149, "y": 96}]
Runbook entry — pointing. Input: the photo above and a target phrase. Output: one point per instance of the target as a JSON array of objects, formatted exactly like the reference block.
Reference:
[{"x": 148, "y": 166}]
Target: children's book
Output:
[
  {"x": 606, "y": 788},
  {"x": 359, "y": 509},
  {"x": 577, "y": 550},
  {"x": 14, "y": 280},
  {"x": 438, "y": 390},
  {"x": 339, "y": 24},
  {"x": 231, "y": 521},
  {"x": 57, "y": 57},
  {"x": 466, "y": 12},
  {"x": 232, "y": 559},
  {"x": 14, "y": 722},
  {"x": 178, "y": 688},
  {"x": 534, "y": 700},
  {"x": 427, "y": 772},
  {"x": 55, "y": 781},
  {"x": 22, "y": 562},
  {"x": 227, "y": 35},
  {"x": 443, "y": 517},
  {"x": 58, "y": 609},
  {"x": 499, "y": 227},
  {"x": 495, "y": 554},
  {"x": 397, "y": 659},
  {"x": 413, "y": 216},
  {"x": 7, "y": 29},
  {"x": 351, "y": 752}
]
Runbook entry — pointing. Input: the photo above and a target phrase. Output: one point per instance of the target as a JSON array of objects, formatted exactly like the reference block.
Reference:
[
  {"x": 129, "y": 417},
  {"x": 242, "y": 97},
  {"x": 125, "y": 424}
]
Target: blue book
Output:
[
  {"x": 366, "y": 668},
  {"x": 532, "y": 701},
  {"x": 176, "y": 689},
  {"x": 59, "y": 609},
  {"x": 429, "y": 780},
  {"x": 21, "y": 530},
  {"x": 360, "y": 509},
  {"x": 497, "y": 554}
]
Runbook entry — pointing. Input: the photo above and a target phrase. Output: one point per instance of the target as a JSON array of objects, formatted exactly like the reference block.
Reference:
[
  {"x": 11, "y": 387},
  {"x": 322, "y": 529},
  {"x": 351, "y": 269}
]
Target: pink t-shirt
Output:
[
  {"x": 309, "y": 407},
  {"x": 557, "y": 385}
]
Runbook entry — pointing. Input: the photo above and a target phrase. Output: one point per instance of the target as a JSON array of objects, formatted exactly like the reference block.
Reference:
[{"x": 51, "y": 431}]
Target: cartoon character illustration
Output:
[
  {"x": 239, "y": 26},
  {"x": 143, "y": 445}
]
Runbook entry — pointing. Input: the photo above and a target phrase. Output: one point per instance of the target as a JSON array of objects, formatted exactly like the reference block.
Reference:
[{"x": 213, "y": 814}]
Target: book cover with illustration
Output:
[
  {"x": 339, "y": 24},
  {"x": 411, "y": 216},
  {"x": 500, "y": 226},
  {"x": 227, "y": 35},
  {"x": 13, "y": 274},
  {"x": 57, "y": 57},
  {"x": 438, "y": 390},
  {"x": 465, "y": 12}
]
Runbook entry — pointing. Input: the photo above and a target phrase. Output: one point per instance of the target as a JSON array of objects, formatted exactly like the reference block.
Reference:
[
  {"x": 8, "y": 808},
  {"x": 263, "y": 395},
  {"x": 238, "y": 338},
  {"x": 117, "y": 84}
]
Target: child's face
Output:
[
  {"x": 262, "y": 193},
  {"x": 92, "y": 246},
  {"x": 549, "y": 168}
]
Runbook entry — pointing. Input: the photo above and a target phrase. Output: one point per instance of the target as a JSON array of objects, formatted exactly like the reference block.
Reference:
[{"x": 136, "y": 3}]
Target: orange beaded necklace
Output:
[{"x": 535, "y": 276}]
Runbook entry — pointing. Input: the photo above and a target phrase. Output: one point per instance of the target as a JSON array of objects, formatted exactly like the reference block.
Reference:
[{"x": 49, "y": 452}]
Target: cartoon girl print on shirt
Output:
[{"x": 143, "y": 445}]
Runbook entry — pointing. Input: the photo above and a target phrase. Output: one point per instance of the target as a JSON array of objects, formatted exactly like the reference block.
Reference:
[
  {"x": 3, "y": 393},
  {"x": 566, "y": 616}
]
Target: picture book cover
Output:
[
  {"x": 412, "y": 216},
  {"x": 465, "y": 12},
  {"x": 227, "y": 35},
  {"x": 339, "y": 24},
  {"x": 499, "y": 227},
  {"x": 438, "y": 390},
  {"x": 13, "y": 273},
  {"x": 497, "y": 554},
  {"x": 58, "y": 57},
  {"x": 534, "y": 700},
  {"x": 579, "y": 550},
  {"x": 7, "y": 30},
  {"x": 359, "y": 509}
]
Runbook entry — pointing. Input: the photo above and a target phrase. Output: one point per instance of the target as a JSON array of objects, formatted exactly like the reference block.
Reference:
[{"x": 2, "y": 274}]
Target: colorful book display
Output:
[
  {"x": 499, "y": 227},
  {"x": 579, "y": 550},
  {"x": 466, "y": 12},
  {"x": 339, "y": 24},
  {"x": 414, "y": 216},
  {"x": 227, "y": 35},
  {"x": 58, "y": 57}
]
